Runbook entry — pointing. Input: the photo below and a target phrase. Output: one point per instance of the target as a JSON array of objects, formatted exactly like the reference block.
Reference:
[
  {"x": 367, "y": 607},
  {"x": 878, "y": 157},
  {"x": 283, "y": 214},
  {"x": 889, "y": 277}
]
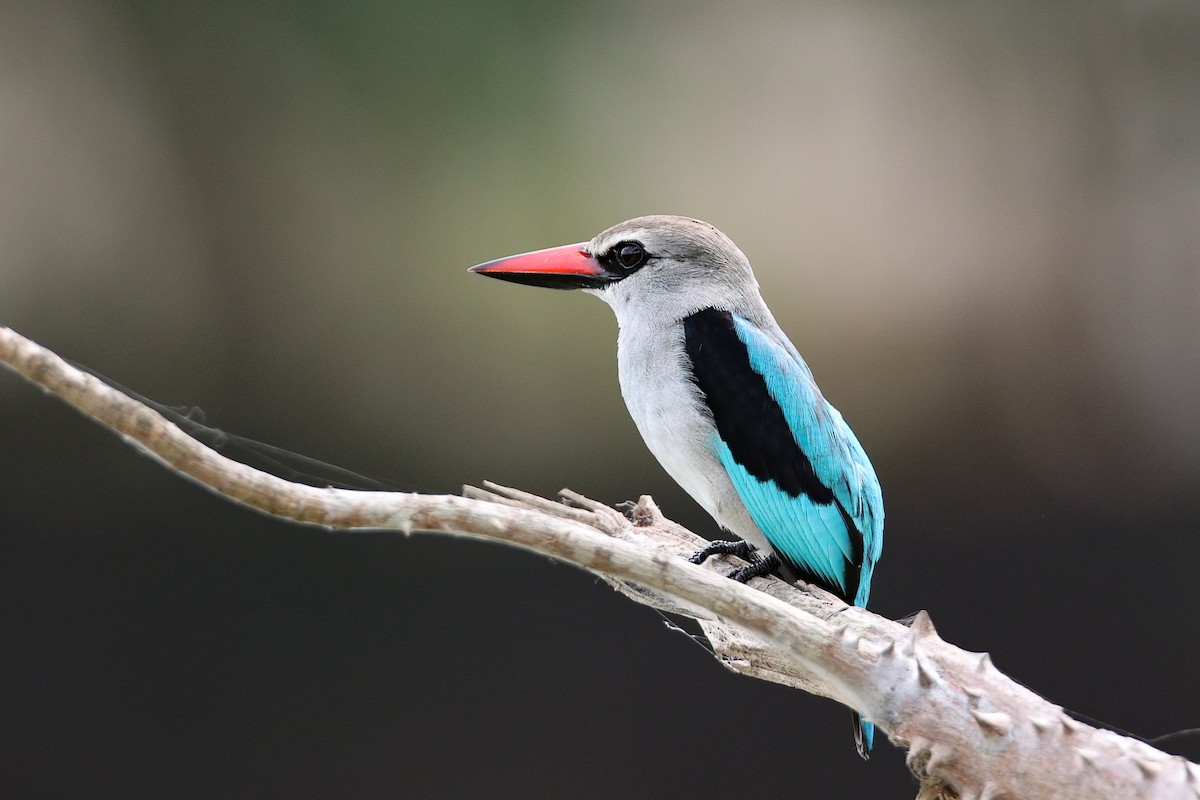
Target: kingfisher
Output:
[{"x": 725, "y": 402}]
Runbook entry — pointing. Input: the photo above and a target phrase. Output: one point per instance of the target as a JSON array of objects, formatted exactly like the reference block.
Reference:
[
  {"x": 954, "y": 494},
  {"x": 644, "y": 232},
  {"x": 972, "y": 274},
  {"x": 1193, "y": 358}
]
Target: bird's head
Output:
[{"x": 662, "y": 265}]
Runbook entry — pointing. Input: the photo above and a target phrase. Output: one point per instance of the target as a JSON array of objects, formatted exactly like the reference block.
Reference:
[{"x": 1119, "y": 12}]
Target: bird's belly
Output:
[{"x": 671, "y": 418}]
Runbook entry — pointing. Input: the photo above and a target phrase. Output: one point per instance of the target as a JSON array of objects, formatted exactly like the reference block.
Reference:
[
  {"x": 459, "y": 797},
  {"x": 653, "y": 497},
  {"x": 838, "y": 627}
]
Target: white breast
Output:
[{"x": 668, "y": 410}]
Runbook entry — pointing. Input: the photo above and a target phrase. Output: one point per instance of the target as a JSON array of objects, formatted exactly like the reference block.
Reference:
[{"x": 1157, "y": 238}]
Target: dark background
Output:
[{"x": 978, "y": 221}]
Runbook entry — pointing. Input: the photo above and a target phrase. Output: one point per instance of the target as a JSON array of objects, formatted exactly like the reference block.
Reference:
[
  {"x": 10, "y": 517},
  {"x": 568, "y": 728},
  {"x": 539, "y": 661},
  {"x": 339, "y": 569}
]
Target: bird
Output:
[{"x": 725, "y": 402}]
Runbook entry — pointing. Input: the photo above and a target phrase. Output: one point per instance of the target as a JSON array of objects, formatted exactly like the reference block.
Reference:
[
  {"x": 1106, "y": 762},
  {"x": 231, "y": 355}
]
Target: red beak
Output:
[{"x": 566, "y": 267}]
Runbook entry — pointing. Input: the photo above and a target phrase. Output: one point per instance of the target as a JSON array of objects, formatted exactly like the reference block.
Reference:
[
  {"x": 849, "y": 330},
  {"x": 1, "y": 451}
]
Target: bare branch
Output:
[{"x": 971, "y": 731}]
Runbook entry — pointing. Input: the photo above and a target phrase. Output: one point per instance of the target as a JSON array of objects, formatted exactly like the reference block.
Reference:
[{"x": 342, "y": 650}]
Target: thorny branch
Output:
[{"x": 970, "y": 731}]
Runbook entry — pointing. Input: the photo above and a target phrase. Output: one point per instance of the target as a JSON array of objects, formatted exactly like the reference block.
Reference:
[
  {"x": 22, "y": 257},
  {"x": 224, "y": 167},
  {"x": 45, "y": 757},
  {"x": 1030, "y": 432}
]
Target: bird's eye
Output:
[{"x": 629, "y": 255}]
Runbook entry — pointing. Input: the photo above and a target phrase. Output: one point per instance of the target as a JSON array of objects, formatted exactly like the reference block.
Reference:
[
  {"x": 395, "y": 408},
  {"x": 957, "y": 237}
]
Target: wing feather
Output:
[{"x": 798, "y": 468}]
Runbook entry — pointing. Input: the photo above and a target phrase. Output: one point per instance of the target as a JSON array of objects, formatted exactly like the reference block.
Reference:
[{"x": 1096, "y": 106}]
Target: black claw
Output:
[
  {"x": 764, "y": 566},
  {"x": 738, "y": 547}
]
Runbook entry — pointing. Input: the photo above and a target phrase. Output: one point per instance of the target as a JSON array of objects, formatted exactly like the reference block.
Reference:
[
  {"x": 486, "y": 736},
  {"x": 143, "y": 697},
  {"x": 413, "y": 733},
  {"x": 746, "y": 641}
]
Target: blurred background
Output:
[{"x": 979, "y": 222}]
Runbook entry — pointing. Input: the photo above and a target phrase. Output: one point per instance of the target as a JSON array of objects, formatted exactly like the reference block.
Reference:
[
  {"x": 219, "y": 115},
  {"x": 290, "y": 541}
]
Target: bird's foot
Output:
[
  {"x": 738, "y": 547},
  {"x": 757, "y": 569},
  {"x": 744, "y": 550}
]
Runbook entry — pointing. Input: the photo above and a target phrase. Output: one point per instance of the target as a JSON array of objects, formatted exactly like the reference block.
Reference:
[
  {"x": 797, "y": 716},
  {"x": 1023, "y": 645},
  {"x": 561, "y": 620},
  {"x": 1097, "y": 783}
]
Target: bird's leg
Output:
[
  {"x": 738, "y": 547},
  {"x": 757, "y": 569}
]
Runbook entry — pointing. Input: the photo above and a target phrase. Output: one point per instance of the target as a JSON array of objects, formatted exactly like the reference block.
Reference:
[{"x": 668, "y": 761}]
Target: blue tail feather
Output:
[{"x": 864, "y": 736}]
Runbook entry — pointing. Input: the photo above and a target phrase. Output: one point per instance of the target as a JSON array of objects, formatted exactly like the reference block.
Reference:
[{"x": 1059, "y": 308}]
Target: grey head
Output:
[{"x": 685, "y": 265}]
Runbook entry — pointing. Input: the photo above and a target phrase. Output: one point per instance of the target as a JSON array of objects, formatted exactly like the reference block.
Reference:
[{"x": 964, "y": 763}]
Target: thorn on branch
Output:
[
  {"x": 941, "y": 756},
  {"x": 1087, "y": 757},
  {"x": 922, "y": 626},
  {"x": 925, "y": 674},
  {"x": 918, "y": 751},
  {"x": 994, "y": 723},
  {"x": 1041, "y": 725}
]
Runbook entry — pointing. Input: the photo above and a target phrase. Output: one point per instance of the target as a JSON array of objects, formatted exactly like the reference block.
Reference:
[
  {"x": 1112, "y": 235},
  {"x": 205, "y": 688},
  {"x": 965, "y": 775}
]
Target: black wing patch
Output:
[
  {"x": 752, "y": 424},
  {"x": 747, "y": 417}
]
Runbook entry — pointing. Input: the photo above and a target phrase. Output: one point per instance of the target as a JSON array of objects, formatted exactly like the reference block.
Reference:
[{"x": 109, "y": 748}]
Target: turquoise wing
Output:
[
  {"x": 795, "y": 464},
  {"x": 851, "y": 526}
]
